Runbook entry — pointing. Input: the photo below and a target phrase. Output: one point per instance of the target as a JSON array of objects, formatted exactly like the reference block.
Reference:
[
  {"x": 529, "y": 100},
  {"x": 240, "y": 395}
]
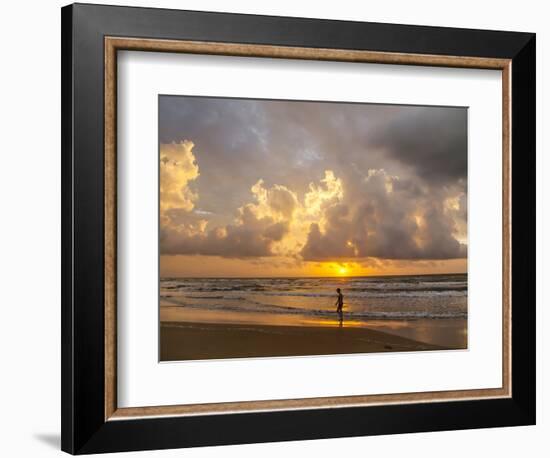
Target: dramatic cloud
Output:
[
  {"x": 177, "y": 169},
  {"x": 275, "y": 222},
  {"x": 183, "y": 231},
  {"x": 312, "y": 182},
  {"x": 432, "y": 140},
  {"x": 248, "y": 237},
  {"x": 393, "y": 220}
]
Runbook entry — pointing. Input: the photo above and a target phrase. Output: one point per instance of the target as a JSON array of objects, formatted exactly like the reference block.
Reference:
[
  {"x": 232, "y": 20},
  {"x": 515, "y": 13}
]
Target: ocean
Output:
[{"x": 306, "y": 301}]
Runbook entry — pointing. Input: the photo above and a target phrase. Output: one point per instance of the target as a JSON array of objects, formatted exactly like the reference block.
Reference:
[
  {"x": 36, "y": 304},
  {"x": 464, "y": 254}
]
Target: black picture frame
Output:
[{"x": 84, "y": 428}]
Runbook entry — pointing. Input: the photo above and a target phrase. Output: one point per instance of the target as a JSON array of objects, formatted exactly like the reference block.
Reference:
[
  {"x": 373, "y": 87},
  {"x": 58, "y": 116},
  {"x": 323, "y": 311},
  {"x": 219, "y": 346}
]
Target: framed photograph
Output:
[{"x": 283, "y": 228}]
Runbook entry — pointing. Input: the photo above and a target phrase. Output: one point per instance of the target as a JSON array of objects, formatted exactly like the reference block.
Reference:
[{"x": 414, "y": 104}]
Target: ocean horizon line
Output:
[{"x": 309, "y": 277}]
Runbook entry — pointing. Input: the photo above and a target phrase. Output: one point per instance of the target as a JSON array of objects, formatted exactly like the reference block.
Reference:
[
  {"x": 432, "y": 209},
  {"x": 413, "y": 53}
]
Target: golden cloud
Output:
[
  {"x": 178, "y": 168},
  {"x": 391, "y": 218}
]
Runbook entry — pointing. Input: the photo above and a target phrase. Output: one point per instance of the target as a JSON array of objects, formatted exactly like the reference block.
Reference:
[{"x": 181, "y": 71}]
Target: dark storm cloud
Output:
[
  {"x": 399, "y": 167},
  {"x": 432, "y": 140}
]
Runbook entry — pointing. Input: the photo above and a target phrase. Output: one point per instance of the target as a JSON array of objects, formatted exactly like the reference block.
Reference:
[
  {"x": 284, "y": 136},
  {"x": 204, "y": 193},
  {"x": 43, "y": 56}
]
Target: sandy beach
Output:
[
  {"x": 194, "y": 341},
  {"x": 216, "y": 318}
]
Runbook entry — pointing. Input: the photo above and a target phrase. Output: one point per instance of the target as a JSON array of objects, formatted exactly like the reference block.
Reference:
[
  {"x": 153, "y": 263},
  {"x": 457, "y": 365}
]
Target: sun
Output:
[{"x": 337, "y": 269}]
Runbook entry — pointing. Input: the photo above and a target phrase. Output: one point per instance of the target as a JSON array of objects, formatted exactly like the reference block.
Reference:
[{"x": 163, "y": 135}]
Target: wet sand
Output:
[{"x": 193, "y": 341}]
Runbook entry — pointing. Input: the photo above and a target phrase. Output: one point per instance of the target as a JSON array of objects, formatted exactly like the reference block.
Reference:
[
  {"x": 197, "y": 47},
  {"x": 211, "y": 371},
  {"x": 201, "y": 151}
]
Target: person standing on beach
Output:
[
  {"x": 339, "y": 307},
  {"x": 339, "y": 302}
]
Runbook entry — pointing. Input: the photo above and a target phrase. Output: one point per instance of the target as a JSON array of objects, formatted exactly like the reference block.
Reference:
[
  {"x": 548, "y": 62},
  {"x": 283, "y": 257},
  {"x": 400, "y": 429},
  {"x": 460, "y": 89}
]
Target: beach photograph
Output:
[{"x": 297, "y": 228}]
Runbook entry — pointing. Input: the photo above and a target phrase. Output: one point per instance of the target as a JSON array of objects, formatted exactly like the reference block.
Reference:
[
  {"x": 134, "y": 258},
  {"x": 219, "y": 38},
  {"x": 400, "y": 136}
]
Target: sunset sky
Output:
[{"x": 286, "y": 188}]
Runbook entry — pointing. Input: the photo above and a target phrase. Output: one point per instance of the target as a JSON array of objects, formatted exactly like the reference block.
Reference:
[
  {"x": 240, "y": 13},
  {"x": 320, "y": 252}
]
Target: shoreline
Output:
[{"x": 187, "y": 340}]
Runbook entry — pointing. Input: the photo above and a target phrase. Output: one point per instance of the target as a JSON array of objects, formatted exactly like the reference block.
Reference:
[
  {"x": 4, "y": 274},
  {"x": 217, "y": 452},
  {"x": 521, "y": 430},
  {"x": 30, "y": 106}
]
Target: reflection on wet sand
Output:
[{"x": 450, "y": 333}]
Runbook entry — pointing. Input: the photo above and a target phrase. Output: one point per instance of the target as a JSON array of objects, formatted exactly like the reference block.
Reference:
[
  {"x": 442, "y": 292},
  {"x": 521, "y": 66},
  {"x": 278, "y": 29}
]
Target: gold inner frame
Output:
[{"x": 114, "y": 44}]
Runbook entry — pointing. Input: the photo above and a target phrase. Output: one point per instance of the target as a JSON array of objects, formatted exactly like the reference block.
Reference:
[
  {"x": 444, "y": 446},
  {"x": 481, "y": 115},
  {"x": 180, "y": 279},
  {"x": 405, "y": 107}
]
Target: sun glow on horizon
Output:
[{"x": 339, "y": 269}]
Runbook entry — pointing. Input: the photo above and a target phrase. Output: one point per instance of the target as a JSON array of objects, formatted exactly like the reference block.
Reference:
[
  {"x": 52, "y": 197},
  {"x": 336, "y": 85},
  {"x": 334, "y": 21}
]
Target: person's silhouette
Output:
[{"x": 340, "y": 305}]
